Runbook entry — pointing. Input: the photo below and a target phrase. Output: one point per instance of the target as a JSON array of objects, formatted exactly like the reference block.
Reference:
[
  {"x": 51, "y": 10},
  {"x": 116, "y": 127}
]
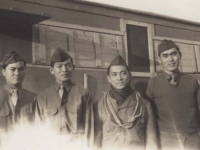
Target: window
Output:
[
  {"x": 138, "y": 41},
  {"x": 88, "y": 48},
  {"x": 138, "y": 54}
]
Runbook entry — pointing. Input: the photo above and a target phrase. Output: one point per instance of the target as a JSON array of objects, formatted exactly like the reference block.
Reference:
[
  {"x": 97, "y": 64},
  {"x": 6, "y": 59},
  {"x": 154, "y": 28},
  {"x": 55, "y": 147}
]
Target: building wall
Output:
[
  {"x": 100, "y": 18},
  {"x": 37, "y": 79}
]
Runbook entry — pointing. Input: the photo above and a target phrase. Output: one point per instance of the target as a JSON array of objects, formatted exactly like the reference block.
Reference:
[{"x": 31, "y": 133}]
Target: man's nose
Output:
[
  {"x": 17, "y": 72},
  {"x": 64, "y": 68},
  {"x": 170, "y": 58},
  {"x": 119, "y": 77}
]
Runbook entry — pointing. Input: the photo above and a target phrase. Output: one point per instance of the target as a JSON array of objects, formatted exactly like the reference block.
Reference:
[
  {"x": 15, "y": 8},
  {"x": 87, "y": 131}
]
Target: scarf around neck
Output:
[{"x": 121, "y": 95}]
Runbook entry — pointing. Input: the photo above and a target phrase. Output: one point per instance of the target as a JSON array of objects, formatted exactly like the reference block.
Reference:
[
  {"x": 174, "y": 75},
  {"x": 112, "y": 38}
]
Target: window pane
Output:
[
  {"x": 138, "y": 53},
  {"x": 15, "y": 37}
]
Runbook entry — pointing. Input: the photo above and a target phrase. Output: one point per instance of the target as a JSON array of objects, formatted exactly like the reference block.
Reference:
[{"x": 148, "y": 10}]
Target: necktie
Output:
[
  {"x": 172, "y": 81},
  {"x": 61, "y": 91},
  {"x": 14, "y": 97}
]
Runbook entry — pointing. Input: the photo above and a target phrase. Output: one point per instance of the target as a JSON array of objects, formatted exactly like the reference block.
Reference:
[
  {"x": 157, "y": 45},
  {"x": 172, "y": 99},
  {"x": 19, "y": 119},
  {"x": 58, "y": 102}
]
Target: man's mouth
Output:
[
  {"x": 120, "y": 83},
  {"x": 171, "y": 64},
  {"x": 64, "y": 75}
]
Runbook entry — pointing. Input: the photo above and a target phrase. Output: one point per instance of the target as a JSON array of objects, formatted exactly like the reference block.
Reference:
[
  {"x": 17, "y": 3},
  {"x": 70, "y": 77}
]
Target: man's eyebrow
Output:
[{"x": 169, "y": 53}]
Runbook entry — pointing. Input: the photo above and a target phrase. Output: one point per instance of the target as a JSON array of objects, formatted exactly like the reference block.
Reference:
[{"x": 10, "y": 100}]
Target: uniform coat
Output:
[
  {"x": 7, "y": 111},
  {"x": 142, "y": 133},
  {"x": 74, "y": 117}
]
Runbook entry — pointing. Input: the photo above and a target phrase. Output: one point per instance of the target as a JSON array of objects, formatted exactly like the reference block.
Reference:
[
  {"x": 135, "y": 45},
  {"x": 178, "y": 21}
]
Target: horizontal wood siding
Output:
[{"x": 178, "y": 33}]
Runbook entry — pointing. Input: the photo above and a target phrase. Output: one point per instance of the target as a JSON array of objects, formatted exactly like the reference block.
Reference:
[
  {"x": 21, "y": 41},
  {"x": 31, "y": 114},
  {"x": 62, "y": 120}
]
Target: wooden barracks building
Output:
[{"x": 93, "y": 34}]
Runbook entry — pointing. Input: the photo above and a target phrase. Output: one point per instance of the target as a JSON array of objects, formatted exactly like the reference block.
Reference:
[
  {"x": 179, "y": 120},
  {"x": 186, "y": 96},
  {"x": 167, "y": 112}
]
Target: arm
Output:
[
  {"x": 198, "y": 100},
  {"x": 149, "y": 93},
  {"x": 152, "y": 130},
  {"x": 97, "y": 126},
  {"x": 89, "y": 120},
  {"x": 39, "y": 113}
]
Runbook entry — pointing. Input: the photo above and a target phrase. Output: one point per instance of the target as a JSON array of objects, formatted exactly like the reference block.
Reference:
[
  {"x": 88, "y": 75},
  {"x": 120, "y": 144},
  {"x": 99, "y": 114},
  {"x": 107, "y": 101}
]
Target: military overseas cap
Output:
[
  {"x": 60, "y": 55},
  {"x": 117, "y": 61},
  {"x": 12, "y": 57},
  {"x": 166, "y": 45}
]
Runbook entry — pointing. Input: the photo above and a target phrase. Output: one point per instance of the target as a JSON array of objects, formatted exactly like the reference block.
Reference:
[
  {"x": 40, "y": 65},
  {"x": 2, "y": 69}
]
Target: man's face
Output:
[
  {"x": 119, "y": 77},
  {"x": 14, "y": 73},
  {"x": 170, "y": 60},
  {"x": 62, "y": 71}
]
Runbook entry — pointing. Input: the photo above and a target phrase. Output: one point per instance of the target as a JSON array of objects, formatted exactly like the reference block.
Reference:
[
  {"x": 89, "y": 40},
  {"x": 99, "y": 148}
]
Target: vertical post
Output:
[{"x": 85, "y": 81}]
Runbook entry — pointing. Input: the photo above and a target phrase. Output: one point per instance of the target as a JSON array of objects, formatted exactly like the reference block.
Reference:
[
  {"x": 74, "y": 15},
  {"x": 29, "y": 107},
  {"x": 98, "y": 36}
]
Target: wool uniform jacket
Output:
[
  {"x": 142, "y": 135},
  {"x": 26, "y": 107},
  {"x": 74, "y": 117}
]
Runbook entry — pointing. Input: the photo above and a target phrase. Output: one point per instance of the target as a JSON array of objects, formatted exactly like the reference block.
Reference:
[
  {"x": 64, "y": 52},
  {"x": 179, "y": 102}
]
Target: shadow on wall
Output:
[{"x": 139, "y": 84}]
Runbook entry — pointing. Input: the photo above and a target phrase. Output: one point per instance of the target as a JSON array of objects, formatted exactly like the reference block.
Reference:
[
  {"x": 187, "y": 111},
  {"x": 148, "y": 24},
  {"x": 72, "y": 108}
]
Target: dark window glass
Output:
[
  {"x": 16, "y": 37},
  {"x": 138, "y": 53}
]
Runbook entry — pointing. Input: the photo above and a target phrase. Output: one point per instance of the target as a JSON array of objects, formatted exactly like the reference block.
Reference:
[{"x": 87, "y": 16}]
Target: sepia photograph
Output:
[{"x": 99, "y": 75}]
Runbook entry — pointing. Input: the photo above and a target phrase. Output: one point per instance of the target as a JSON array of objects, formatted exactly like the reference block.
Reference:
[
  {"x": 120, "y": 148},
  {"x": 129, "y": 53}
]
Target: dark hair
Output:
[
  {"x": 52, "y": 63},
  {"x": 4, "y": 66}
]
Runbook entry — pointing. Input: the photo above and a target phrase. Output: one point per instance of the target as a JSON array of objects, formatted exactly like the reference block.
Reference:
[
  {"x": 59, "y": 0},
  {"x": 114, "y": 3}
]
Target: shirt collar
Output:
[
  {"x": 66, "y": 86},
  {"x": 176, "y": 76},
  {"x": 11, "y": 89}
]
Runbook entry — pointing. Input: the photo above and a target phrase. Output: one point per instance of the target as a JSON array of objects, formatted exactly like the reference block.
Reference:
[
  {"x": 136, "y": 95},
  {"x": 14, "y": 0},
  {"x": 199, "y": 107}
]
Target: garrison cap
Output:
[
  {"x": 117, "y": 61},
  {"x": 166, "y": 45},
  {"x": 12, "y": 57},
  {"x": 60, "y": 55}
]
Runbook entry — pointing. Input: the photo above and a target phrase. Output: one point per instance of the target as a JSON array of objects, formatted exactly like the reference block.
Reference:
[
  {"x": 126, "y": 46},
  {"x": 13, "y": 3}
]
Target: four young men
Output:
[{"x": 121, "y": 119}]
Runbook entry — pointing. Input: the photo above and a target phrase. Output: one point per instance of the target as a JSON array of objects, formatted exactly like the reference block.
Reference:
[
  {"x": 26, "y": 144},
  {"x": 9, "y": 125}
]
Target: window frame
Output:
[
  {"x": 69, "y": 26},
  {"x": 150, "y": 35}
]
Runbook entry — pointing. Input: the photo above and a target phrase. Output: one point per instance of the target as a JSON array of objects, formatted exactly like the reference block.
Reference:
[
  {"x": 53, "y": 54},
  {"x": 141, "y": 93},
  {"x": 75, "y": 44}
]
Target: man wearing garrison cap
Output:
[
  {"x": 176, "y": 97},
  {"x": 16, "y": 103},
  {"x": 66, "y": 105},
  {"x": 123, "y": 119}
]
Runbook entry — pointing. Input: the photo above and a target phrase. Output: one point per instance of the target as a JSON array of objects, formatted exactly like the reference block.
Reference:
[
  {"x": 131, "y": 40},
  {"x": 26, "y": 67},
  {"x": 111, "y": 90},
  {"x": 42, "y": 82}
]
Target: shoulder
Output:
[
  {"x": 156, "y": 81},
  {"x": 144, "y": 102},
  {"x": 188, "y": 79},
  {"x": 3, "y": 94},
  {"x": 188, "y": 76},
  {"x": 79, "y": 89},
  {"x": 156, "y": 78},
  {"x": 100, "y": 102},
  {"x": 2, "y": 89},
  {"x": 29, "y": 93},
  {"x": 46, "y": 91}
]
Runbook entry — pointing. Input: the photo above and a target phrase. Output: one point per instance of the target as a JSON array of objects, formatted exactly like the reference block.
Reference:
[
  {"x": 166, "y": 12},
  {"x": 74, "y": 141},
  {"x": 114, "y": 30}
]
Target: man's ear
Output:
[
  {"x": 130, "y": 74},
  {"x": 51, "y": 70},
  {"x": 3, "y": 72},
  {"x": 180, "y": 54}
]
